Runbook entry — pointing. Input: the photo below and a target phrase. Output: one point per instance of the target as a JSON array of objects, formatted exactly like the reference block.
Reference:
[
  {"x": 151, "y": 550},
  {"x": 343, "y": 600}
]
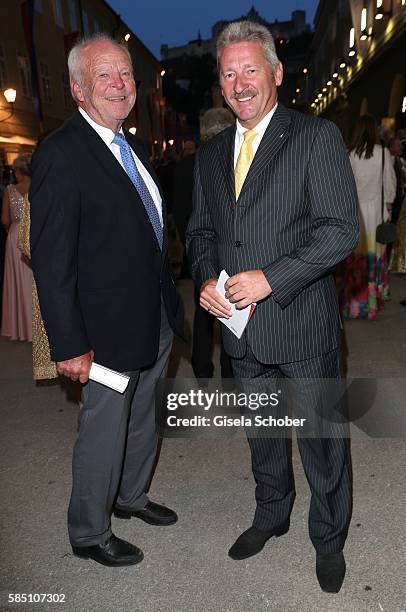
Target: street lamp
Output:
[
  {"x": 351, "y": 47},
  {"x": 380, "y": 13},
  {"x": 365, "y": 32},
  {"x": 305, "y": 97},
  {"x": 10, "y": 95}
]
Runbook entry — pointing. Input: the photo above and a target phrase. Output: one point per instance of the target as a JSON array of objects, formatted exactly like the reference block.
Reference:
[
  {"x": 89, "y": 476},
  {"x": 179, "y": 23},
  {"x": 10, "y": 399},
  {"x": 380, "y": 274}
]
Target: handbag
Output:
[{"x": 386, "y": 231}]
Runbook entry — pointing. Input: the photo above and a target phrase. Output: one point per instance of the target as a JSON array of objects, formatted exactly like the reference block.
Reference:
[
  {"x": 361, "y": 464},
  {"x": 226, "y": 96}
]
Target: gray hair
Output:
[
  {"x": 23, "y": 164},
  {"x": 74, "y": 57},
  {"x": 214, "y": 121},
  {"x": 248, "y": 31}
]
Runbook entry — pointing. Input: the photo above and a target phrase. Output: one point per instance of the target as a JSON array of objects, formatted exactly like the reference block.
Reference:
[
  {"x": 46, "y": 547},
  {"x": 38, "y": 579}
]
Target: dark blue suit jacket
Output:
[{"x": 96, "y": 261}]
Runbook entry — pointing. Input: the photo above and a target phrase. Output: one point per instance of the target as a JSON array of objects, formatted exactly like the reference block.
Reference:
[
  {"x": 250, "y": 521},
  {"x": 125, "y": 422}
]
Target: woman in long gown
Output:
[
  {"x": 366, "y": 277},
  {"x": 17, "y": 309}
]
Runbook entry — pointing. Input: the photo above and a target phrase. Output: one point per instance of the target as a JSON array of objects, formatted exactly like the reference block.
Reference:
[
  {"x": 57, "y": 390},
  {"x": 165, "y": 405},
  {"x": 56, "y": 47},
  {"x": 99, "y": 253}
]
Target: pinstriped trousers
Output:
[{"x": 326, "y": 460}]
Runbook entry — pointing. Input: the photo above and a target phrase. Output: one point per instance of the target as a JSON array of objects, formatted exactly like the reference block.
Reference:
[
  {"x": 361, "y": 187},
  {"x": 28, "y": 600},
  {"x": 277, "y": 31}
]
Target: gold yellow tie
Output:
[{"x": 244, "y": 161}]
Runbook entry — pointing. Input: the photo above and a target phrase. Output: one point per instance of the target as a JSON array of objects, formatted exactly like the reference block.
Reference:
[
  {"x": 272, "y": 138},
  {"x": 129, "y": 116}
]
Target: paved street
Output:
[{"x": 209, "y": 483}]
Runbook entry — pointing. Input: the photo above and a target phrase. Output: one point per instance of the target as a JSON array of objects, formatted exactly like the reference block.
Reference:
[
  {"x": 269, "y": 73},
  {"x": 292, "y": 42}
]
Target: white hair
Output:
[
  {"x": 74, "y": 58},
  {"x": 248, "y": 31}
]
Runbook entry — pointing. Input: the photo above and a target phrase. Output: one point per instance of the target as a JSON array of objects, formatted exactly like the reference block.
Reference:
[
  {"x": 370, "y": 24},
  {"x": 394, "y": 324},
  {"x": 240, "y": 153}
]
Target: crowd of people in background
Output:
[
  {"x": 397, "y": 148},
  {"x": 379, "y": 166}
]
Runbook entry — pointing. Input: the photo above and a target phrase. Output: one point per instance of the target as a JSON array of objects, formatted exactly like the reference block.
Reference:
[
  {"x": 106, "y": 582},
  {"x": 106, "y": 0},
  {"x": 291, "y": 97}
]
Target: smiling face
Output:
[
  {"x": 107, "y": 88},
  {"x": 248, "y": 83}
]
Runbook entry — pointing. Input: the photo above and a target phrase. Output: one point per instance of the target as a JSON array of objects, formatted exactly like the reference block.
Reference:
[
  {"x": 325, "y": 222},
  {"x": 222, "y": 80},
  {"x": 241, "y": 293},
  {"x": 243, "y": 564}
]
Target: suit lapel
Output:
[
  {"x": 101, "y": 152},
  {"x": 272, "y": 141},
  {"x": 225, "y": 149},
  {"x": 115, "y": 170}
]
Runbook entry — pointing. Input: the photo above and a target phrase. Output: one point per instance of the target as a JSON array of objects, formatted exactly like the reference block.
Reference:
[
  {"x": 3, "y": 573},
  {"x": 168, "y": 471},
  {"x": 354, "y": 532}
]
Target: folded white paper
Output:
[
  {"x": 109, "y": 378},
  {"x": 239, "y": 318}
]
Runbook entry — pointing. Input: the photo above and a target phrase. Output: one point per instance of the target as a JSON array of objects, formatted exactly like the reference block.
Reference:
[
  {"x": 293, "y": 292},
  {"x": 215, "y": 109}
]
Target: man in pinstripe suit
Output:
[{"x": 277, "y": 232}]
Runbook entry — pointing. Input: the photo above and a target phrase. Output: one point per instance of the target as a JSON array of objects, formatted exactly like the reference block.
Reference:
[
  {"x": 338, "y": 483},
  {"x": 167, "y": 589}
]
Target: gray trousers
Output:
[{"x": 115, "y": 451}]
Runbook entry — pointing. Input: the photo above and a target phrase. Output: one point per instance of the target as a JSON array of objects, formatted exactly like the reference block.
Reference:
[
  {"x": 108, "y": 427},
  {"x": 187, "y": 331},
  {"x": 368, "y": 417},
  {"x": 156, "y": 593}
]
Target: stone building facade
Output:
[
  {"x": 356, "y": 64},
  {"x": 43, "y": 31}
]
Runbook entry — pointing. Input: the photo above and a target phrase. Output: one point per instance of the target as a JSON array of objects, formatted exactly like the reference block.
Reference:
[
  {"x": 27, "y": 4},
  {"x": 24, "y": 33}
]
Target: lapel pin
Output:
[{"x": 281, "y": 135}]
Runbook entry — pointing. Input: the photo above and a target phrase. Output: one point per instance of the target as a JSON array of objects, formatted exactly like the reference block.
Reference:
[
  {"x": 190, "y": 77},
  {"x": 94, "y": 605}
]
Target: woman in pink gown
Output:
[{"x": 17, "y": 285}]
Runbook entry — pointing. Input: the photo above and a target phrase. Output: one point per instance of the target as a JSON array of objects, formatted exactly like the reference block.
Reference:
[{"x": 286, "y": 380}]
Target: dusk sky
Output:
[{"x": 175, "y": 22}]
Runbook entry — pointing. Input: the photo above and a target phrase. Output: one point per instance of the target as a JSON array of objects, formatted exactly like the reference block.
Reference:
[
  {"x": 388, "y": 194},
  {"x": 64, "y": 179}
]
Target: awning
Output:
[{"x": 17, "y": 140}]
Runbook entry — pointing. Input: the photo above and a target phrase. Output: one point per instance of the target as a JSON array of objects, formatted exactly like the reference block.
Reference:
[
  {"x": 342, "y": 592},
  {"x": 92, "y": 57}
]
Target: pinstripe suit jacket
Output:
[{"x": 296, "y": 217}]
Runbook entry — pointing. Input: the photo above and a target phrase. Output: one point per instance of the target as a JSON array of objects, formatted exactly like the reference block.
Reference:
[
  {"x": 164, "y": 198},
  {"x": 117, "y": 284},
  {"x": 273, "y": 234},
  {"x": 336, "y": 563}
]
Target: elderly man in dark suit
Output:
[
  {"x": 106, "y": 291},
  {"x": 275, "y": 206}
]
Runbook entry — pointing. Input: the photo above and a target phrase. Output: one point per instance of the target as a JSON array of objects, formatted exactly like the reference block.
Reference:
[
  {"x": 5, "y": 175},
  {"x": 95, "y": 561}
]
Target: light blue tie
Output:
[{"x": 143, "y": 192}]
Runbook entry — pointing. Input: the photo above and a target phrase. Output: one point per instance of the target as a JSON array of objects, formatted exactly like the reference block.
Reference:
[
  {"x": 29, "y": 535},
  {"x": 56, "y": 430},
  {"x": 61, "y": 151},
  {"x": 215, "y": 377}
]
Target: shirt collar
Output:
[
  {"x": 260, "y": 128},
  {"x": 106, "y": 134}
]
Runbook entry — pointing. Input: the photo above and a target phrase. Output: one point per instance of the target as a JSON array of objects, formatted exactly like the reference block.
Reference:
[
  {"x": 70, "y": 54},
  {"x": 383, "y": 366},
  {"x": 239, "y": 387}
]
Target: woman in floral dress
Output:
[{"x": 366, "y": 277}]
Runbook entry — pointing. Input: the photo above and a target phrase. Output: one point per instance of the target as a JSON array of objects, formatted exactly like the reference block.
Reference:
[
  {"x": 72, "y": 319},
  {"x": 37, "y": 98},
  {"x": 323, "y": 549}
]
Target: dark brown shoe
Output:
[{"x": 113, "y": 553}]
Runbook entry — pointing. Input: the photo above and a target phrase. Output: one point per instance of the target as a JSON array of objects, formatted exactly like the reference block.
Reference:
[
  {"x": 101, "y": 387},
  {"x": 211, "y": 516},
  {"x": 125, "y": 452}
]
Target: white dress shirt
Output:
[
  {"x": 260, "y": 129},
  {"x": 107, "y": 136}
]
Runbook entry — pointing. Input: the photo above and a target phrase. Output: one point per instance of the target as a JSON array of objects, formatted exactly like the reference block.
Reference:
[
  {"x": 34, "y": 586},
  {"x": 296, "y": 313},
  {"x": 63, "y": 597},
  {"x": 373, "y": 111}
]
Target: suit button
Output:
[{"x": 238, "y": 243}]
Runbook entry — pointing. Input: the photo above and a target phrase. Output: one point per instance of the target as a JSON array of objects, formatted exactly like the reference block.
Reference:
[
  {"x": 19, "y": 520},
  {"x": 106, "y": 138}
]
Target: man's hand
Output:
[
  {"x": 247, "y": 287},
  {"x": 77, "y": 368},
  {"x": 211, "y": 300}
]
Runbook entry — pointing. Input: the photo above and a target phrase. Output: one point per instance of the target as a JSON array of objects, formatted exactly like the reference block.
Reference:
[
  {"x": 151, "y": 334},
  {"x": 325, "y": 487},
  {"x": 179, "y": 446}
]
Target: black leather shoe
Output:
[
  {"x": 153, "y": 513},
  {"x": 114, "y": 553},
  {"x": 252, "y": 541},
  {"x": 402, "y": 302},
  {"x": 330, "y": 571}
]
